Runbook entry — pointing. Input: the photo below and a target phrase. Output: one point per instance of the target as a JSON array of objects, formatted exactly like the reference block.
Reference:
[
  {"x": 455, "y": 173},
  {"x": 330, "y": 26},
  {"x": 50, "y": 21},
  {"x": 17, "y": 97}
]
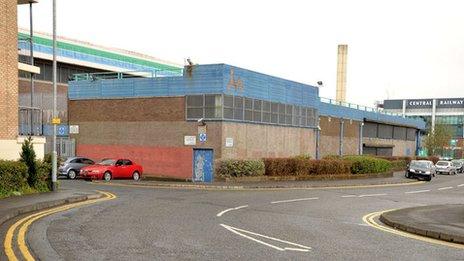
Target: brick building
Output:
[{"x": 177, "y": 126}]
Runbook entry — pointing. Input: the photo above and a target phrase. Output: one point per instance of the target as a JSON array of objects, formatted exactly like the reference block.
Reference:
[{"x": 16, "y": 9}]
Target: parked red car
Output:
[{"x": 109, "y": 169}]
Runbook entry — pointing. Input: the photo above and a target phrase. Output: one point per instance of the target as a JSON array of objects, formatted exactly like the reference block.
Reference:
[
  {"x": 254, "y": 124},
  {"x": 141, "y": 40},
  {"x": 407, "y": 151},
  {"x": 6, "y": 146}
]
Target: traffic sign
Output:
[
  {"x": 56, "y": 121},
  {"x": 61, "y": 130},
  {"x": 202, "y": 137}
]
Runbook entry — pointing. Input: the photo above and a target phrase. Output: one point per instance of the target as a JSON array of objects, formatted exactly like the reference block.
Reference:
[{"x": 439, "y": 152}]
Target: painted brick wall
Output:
[
  {"x": 260, "y": 141},
  {"x": 156, "y": 161},
  {"x": 8, "y": 70}
]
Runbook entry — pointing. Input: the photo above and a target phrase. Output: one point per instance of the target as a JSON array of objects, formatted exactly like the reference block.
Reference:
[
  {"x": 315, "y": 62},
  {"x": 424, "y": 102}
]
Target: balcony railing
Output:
[
  {"x": 30, "y": 121},
  {"x": 358, "y": 107}
]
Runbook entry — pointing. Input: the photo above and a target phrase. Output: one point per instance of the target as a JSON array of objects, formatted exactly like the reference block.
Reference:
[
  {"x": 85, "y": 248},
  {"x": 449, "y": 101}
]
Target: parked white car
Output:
[{"x": 445, "y": 167}]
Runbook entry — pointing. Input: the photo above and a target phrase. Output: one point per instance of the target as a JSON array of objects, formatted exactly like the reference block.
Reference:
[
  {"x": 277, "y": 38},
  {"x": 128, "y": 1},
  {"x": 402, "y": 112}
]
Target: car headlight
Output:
[
  {"x": 427, "y": 172},
  {"x": 412, "y": 170}
]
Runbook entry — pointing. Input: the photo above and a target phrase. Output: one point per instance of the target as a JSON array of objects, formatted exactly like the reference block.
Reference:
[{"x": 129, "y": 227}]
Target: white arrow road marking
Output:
[
  {"x": 230, "y": 209},
  {"x": 240, "y": 232},
  {"x": 445, "y": 188},
  {"x": 417, "y": 191},
  {"x": 371, "y": 195},
  {"x": 292, "y": 200}
]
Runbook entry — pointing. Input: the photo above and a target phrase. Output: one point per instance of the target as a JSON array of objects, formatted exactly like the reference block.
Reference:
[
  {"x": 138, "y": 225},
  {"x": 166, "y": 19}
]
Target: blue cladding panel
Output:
[
  {"x": 326, "y": 109},
  {"x": 215, "y": 79}
]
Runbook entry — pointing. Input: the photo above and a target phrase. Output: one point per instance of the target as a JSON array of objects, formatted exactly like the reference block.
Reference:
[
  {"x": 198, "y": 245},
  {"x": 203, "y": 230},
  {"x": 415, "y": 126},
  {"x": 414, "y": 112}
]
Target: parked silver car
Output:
[
  {"x": 72, "y": 166},
  {"x": 457, "y": 164},
  {"x": 443, "y": 167}
]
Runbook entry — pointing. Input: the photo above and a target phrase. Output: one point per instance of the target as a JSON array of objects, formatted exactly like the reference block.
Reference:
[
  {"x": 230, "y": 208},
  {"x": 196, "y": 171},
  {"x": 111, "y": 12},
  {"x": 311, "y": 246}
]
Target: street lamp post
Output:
[{"x": 54, "y": 156}]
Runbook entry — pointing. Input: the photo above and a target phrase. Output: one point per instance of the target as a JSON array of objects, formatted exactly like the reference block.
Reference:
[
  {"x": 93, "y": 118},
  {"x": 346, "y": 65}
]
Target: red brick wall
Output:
[{"x": 156, "y": 161}]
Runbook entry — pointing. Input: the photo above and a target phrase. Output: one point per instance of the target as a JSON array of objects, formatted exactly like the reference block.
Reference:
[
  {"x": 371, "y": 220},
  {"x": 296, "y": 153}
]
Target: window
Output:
[
  {"x": 385, "y": 131},
  {"x": 127, "y": 162},
  {"x": 266, "y": 111},
  {"x": 76, "y": 161},
  {"x": 370, "y": 130},
  {"x": 228, "y": 107},
  {"x": 119, "y": 163},
  {"x": 288, "y": 114},
  {"x": 248, "y": 109},
  {"x": 88, "y": 161},
  {"x": 257, "y": 106},
  {"x": 399, "y": 133},
  {"x": 238, "y": 108},
  {"x": 213, "y": 108},
  {"x": 274, "y": 112},
  {"x": 195, "y": 107},
  {"x": 411, "y": 134}
]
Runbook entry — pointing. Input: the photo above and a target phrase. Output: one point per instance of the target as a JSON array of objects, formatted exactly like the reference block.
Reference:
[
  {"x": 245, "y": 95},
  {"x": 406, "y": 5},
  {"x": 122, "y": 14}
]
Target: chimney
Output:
[{"x": 341, "y": 72}]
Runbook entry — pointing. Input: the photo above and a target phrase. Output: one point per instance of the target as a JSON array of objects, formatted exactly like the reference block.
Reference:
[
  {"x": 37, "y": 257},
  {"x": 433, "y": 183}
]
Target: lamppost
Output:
[{"x": 55, "y": 119}]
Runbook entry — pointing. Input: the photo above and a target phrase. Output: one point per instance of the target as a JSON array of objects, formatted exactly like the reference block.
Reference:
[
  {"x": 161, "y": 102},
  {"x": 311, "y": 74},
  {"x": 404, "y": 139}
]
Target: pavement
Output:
[
  {"x": 152, "y": 223},
  {"x": 397, "y": 179},
  {"x": 444, "y": 222},
  {"x": 17, "y": 205}
]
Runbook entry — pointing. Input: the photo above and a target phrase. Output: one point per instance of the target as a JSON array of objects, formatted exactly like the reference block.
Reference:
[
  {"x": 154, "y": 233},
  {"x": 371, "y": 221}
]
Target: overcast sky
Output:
[{"x": 397, "y": 49}]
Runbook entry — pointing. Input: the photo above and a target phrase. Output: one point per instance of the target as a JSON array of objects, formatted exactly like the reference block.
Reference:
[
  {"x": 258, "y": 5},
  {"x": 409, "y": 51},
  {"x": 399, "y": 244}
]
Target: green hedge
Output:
[
  {"x": 368, "y": 164},
  {"x": 300, "y": 166},
  {"x": 13, "y": 177},
  {"x": 240, "y": 168}
]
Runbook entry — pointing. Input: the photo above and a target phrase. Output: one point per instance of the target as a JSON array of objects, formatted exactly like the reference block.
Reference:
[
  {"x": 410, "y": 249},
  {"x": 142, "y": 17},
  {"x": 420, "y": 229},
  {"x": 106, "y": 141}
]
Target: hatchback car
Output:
[
  {"x": 109, "y": 169},
  {"x": 420, "y": 169},
  {"x": 457, "y": 164},
  {"x": 72, "y": 166},
  {"x": 443, "y": 167}
]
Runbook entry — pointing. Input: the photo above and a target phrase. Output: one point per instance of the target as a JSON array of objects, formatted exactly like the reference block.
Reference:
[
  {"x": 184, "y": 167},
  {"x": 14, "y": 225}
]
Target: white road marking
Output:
[
  {"x": 417, "y": 191},
  {"x": 292, "y": 200},
  {"x": 460, "y": 185},
  {"x": 371, "y": 195},
  {"x": 445, "y": 188},
  {"x": 349, "y": 196},
  {"x": 240, "y": 232},
  {"x": 230, "y": 209}
]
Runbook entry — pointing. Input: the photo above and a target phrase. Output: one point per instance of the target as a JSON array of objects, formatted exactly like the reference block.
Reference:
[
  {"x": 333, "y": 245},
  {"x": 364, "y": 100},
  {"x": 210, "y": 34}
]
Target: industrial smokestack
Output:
[{"x": 341, "y": 72}]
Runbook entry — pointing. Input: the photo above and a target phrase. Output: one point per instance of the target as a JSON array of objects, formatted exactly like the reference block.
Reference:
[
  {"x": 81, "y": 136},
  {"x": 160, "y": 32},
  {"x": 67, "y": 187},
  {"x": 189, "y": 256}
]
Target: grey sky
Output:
[{"x": 397, "y": 49}]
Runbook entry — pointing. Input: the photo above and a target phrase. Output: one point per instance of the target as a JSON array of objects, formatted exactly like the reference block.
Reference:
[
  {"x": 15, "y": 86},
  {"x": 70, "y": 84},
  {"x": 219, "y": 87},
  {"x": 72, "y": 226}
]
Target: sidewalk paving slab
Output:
[
  {"x": 17, "y": 205},
  {"x": 444, "y": 222}
]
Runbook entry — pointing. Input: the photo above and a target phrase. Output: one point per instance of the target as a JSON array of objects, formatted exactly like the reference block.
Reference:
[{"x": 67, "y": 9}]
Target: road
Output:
[{"x": 189, "y": 224}]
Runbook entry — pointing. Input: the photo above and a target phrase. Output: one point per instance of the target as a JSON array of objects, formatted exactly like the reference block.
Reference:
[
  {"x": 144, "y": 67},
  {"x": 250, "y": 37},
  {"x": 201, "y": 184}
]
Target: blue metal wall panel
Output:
[{"x": 215, "y": 79}]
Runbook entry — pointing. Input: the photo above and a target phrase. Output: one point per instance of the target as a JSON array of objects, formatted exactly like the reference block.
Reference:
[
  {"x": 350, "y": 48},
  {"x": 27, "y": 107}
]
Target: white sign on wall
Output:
[
  {"x": 190, "y": 140},
  {"x": 229, "y": 142},
  {"x": 73, "y": 129}
]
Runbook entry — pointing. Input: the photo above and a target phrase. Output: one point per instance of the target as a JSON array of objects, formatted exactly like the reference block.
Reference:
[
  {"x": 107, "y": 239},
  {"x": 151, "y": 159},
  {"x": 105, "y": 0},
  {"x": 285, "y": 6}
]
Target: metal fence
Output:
[
  {"x": 30, "y": 121},
  {"x": 65, "y": 147}
]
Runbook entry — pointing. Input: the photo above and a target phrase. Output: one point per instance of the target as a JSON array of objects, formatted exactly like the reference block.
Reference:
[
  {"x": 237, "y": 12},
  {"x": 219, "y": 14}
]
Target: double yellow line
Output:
[
  {"x": 370, "y": 220},
  {"x": 24, "y": 224}
]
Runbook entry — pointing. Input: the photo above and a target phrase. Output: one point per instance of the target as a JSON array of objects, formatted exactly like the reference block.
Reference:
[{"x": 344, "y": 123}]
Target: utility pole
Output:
[
  {"x": 31, "y": 44},
  {"x": 55, "y": 119}
]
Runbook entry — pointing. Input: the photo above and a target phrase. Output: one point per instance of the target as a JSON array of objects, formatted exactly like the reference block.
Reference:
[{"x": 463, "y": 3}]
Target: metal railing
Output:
[
  {"x": 124, "y": 75},
  {"x": 358, "y": 107},
  {"x": 30, "y": 121}
]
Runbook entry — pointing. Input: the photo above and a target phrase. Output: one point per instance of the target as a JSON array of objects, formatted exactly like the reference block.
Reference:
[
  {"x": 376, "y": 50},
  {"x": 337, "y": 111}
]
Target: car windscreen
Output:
[
  {"x": 418, "y": 164},
  {"x": 456, "y": 163},
  {"x": 442, "y": 163},
  {"x": 107, "y": 162}
]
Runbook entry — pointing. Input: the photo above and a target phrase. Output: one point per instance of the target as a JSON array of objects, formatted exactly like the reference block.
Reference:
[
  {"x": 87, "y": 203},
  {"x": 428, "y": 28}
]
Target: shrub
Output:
[
  {"x": 399, "y": 164},
  {"x": 13, "y": 177},
  {"x": 44, "y": 173},
  {"x": 301, "y": 167},
  {"x": 368, "y": 164},
  {"x": 332, "y": 157},
  {"x": 240, "y": 168},
  {"x": 27, "y": 156}
]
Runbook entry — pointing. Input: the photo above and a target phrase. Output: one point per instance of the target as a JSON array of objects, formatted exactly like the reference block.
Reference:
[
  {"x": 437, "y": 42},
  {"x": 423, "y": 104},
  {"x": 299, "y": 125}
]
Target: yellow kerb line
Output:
[
  {"x": 27, "y": 221},
  {"x": 369, "y": 219}
]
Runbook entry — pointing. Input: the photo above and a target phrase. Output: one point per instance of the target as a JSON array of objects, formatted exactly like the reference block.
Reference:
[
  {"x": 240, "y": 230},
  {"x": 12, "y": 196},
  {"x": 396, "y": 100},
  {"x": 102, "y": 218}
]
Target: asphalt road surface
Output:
[{"x": 188, "y": 224}]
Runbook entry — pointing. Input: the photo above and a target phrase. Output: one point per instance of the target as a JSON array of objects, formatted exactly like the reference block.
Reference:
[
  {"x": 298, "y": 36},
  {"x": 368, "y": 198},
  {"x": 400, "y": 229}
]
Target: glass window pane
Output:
[
  {"x": 257, "y": 105},
  {"x": 248, "y": 115},
  {"x": 288, "y": 119},
  {"x": 238, "y": 102},
  {"x": 257, "y": 116},
  {"x": 238, "y": 114},
  {"x": 266, "y": 106},
  {"x": 274, "y": 118},
  {"x": 210, "y": 100},
  {"x": 195, "y": 101},
  {"x": 281, "y": 108},
  {"x": 274, "y": 107},
  {"x": 213, "y": 113},
  {"x": 266, "y": 117},
  {"x": 228, "y": 113},
  {"x": 248, "y": 103},
  {"x": 194, "y": 113},
  {"x": 228, "y": 101}
]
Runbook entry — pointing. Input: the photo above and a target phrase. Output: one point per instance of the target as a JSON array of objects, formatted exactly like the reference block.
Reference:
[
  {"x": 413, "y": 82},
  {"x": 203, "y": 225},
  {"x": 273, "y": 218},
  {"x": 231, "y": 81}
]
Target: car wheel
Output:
[
  {"x": 136, "y": 176},
  {"x": 107, "y": 176},
  {"x": 428, "y": 179},
  {"x": 72, "y": 174}
]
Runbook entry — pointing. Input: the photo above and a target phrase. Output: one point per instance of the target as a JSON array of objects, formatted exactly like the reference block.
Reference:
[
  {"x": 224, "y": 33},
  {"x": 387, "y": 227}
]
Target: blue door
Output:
[{"x": 202, "y": 165}]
